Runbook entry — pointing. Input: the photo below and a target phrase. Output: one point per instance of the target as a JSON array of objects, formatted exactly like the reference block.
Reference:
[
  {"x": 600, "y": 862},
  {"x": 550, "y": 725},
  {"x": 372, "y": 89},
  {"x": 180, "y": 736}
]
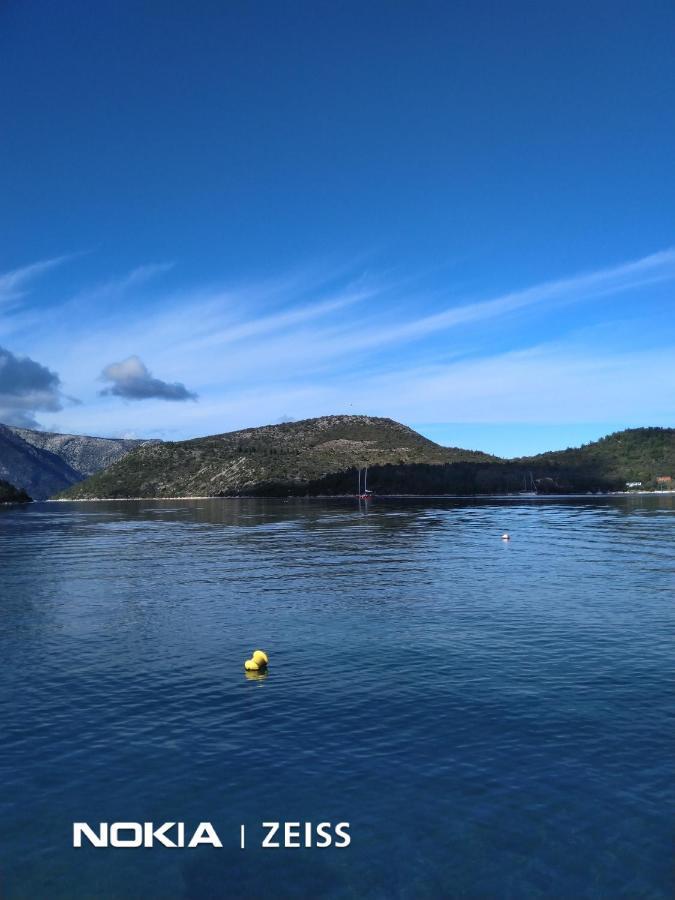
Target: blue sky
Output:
[{"x": 457, "y": 214}]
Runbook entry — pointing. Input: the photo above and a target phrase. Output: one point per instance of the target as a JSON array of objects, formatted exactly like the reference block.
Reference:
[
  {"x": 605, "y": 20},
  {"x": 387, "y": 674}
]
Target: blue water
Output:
[{"x": 493, "y": 720}]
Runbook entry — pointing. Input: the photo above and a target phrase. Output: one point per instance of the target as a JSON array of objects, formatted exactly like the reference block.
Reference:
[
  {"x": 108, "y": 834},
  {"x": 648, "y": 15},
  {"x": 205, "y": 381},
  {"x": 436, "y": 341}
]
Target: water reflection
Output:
[{"x": 256, "y": 676}]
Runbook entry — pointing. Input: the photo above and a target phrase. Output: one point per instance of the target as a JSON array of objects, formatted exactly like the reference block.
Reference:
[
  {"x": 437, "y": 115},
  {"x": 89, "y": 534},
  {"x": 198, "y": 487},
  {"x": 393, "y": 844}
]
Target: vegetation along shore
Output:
[
  {"x": 319, "y": 457},
  {"x": 322, "y": 456}
]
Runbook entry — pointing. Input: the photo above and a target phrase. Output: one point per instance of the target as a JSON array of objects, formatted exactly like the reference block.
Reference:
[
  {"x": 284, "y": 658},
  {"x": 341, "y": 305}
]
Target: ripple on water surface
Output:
[{"x": 493, "y": 719}]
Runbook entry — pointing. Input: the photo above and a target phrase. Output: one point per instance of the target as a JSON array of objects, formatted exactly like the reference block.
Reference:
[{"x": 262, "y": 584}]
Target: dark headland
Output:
[{"x": 10, "y": 494}]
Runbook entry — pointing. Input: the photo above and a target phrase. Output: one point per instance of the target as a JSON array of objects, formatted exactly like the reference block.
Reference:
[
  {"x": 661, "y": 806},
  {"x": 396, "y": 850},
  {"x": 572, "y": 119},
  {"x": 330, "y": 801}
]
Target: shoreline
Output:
[{"x": 356, "y": 497}]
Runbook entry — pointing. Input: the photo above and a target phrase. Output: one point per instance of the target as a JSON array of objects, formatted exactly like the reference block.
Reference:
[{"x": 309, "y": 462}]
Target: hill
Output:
[
  {"x": 38, "y": 472},
  {"x": 10, "y": 494},
  {"x": 321, "y": 456},
  {"x": 635, "y": 455},
  {"x": 44, "y": 463},
  {"x": 86, "y": 455},
  {"x": 275, "y": 459}
]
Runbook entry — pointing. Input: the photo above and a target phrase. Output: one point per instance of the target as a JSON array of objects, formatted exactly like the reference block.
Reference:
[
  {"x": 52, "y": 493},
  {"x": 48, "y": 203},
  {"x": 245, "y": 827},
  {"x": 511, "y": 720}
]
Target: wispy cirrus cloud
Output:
[
  {"x": 112, "y": 288},
  {"x": 318, "y": 336},
  {"x": 335, "y": 344},
  {"x": 305, "y": 341},
  {"x": 13, "y": 283},
  {"x": 583, "y": 287},
  {"x": 236, "y": 332}
]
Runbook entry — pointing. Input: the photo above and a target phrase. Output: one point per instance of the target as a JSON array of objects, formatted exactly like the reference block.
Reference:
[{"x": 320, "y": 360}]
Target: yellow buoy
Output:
[{"x": 257, "y": 662}]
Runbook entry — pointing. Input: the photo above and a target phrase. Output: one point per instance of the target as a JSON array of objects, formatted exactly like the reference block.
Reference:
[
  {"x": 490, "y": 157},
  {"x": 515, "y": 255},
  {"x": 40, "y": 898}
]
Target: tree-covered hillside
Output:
[
  {"x": 637, "y": 454},
  {"x": 322, "y": 456},
  {"x": 289, "y": 456}
]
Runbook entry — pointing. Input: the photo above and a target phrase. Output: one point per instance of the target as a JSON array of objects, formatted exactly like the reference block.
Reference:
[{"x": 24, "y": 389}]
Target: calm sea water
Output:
[{"x": 493, "y": 720}]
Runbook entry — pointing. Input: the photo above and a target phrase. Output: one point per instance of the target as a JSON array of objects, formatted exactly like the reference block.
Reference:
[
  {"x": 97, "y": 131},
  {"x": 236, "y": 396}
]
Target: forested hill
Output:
[
  {"x": 321, "y": 456},
  {"x": 282, "y": 458},
  {"x": 634, "y": 455},
  {"x": 640, "y": 455}
]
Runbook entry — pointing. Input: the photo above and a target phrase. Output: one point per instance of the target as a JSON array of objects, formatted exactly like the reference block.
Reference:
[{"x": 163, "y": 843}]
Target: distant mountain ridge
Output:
[
  {"x": 83, "y": 453},
  {"x": 43, "y": 463},
  {"x": 38, "y": 472},
  {"x": 321, "y": 456}
]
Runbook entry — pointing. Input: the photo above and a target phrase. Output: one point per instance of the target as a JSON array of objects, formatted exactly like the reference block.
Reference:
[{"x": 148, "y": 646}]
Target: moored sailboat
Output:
[
  {"x": 366, "y": 493},
  {"x": 529, "y": 486}
]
